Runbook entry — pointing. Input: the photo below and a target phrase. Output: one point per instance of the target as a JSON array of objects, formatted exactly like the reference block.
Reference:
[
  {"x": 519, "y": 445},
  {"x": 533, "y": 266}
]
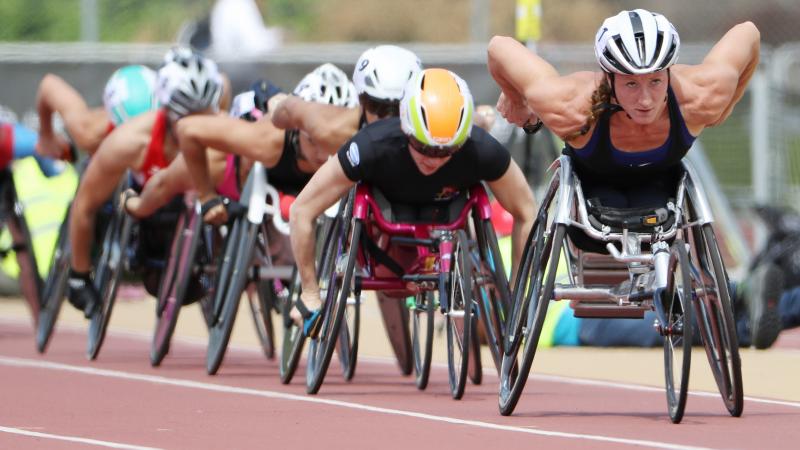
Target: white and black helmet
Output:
[
  {"x": 188, "y": 83},
  {"x": 327, "y": 84},
  {"x": 636, "y": 42},
  {"x": 382, "y": 72}
]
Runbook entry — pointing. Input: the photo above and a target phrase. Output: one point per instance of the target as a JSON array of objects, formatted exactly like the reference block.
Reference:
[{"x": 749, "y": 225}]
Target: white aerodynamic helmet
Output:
[
  {"x": 188, "y": 83},
  {"x": 383, "y": 71},
  {"x": 636, "y": 42},
  {"x": 327, "y": 84}
]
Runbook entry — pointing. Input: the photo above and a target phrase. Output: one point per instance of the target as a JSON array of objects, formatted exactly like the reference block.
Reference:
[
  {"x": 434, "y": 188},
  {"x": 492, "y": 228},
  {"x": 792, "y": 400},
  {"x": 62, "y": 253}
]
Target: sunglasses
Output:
[{"x": 432, "y": 151}]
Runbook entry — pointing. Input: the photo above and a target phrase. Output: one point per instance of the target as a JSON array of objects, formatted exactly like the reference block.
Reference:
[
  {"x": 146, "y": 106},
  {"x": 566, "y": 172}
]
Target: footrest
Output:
[{"x": 607, "y": 311}]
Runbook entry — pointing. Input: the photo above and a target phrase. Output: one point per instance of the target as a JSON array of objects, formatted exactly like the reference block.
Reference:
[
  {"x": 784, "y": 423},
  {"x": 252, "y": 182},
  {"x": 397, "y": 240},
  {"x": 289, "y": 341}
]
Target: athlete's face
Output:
[
  {"x": 642, "y": 96},
  {"x": 427, "y": 165}
]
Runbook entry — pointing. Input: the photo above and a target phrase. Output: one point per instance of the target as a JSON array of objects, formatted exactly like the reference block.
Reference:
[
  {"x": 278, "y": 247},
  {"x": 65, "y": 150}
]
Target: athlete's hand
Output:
[
  {"x": 52, "y": 146},
  {"x": 275, "y": 100},
  {"x": 517, "y": 113},
  {"x": 129, "y": 201},
  {"x": 216, "y": 214},
  {"x": 313, "y": 302}
]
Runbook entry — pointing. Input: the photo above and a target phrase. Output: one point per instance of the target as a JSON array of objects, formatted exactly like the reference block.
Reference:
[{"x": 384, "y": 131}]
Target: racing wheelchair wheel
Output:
[
  {"x": 263, "y": 299},
  {"x": 293, "y": 339},
  {"x": 491, "y": 288},
  {"x": 422, "y": 311},
  {"x": 456, "y": 294},
  {"x": 108, "y": 269},
  {"x": 677, "y": 331},
  {"x": 534, "y": 288},
  {"x": 55, "y": 287},
  {"x": 177, "y": 275},
  {"x": 231, "y": 280},
  {"x": 715, "y": 317},
  {"x": 13, "y": 218},
  {"x": 336, "y": 284}
]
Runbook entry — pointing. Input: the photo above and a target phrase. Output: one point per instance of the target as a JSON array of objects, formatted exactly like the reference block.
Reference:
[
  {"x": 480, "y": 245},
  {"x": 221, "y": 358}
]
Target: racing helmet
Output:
[
  {"x": 130, "y": 91},
  {"x": 188, "y": 83},
  {"x": 437, "y": 109},
  {"x": 327, "y": 84},
  {"x": 382, "y": 72},
  {"x": 636, "y": 42}
]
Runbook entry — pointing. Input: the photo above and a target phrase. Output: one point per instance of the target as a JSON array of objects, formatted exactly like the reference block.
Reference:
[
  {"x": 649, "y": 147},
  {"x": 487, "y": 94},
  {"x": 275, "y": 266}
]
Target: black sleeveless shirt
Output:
[{"x": 285, "y": 176}]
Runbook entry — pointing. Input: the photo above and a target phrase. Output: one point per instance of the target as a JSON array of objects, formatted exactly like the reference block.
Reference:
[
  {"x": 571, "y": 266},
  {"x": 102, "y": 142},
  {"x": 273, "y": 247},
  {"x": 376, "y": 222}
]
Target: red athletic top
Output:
[{"x": 154, "y": 160}]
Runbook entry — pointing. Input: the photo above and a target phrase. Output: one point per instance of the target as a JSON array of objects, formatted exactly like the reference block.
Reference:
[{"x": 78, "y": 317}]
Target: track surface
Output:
[{"x": 61, "y": 400}]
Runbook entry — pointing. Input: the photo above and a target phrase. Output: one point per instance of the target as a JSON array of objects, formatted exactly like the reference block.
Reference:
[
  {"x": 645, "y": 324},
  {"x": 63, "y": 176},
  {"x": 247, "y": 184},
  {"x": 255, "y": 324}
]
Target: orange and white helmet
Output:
[{"x": 437, "y": 109}]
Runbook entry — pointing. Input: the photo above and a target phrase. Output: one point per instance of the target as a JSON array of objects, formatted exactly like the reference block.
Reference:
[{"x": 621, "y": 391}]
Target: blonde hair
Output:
[{"x": 601, "y": 98}]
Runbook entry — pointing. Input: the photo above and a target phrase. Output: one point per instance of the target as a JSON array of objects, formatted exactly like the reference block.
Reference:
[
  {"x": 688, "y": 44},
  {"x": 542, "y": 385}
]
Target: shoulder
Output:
[{"x": 702, "y": 91}]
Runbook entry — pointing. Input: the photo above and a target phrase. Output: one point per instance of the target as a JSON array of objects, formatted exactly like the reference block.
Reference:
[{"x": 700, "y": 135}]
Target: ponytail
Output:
[{"x": 601, "y": 101}]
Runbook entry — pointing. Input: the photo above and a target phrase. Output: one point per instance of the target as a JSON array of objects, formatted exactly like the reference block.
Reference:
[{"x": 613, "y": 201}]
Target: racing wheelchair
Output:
[
  {"x": 621, "y": 263},
  {"x": 246, "y": 266},
  {"x": 12, "y": 217},
  {"x": 450, "y": 262},
  {"x": 121, "y": 245}
]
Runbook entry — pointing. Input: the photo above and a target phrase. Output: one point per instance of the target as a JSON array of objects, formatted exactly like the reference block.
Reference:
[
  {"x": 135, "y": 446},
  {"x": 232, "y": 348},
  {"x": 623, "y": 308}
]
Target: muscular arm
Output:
[
  {"x": 718, "y": 83},
  {"x": 121, "y": 150},
  {"x": 531, "y": 86},
  {"x": 169, "y": 182},
  {"x": 514, "y": 194},
  {"x": 259, "y": 141},
  {"x": 328, "y": 126},
  {"x": 86, "y": 126},
  {"x": 327, "y": 185}
]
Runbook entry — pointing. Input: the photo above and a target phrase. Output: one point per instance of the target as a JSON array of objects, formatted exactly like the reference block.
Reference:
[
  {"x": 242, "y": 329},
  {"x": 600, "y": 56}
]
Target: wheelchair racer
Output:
[
  {"x": 129, "y": 92},
  {"x": 289, "y": 156},
  {"x": 427, "y": 156},
  {"x": 628, "y": 126},
  {"x": 187, "y": 84},
  {"x": 228, "y": 172},
  {"x": 379, "y": 77}
]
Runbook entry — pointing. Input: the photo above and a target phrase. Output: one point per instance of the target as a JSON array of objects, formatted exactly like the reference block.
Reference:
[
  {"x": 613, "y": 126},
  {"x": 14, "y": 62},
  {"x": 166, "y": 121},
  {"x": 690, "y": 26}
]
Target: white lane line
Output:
[
  {"x": 29, "y": 363},
  {"x": 80, "y": 440},
  {"x": 487, "y": 372}
]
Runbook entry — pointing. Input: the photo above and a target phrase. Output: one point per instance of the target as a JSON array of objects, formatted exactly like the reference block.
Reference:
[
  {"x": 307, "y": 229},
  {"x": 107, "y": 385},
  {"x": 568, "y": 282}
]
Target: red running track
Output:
[{"x": 60, "y": 400}]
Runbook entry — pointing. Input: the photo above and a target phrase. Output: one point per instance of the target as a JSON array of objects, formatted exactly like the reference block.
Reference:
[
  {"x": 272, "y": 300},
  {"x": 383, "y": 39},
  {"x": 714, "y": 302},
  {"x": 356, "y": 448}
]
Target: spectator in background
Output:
[{"x": 237, "y": 29}]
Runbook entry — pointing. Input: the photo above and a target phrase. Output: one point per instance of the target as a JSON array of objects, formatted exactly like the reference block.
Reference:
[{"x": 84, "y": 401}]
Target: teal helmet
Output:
[{"x": 129, "y": 92}]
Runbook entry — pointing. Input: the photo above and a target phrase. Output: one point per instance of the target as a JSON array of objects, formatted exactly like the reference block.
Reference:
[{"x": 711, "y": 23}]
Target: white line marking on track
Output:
[
  {"x": 29, "y": 363},
  {"x": 487, "y": 372},
  {"x": 81, "y": 440}
]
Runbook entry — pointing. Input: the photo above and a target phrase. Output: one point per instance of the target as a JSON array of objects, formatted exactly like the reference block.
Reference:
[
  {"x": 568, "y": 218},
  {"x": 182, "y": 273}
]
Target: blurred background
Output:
[{"x": 754, "y": 158}]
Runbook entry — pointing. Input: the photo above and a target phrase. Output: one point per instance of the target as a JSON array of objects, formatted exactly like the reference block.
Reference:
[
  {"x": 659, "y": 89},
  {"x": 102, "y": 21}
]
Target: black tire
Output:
[
  {"x": 347, "y": 348},
  {"x": 715, "y": 318},
  {"x": 293, "y": 339},
  {"x": 55, "y": 288},
  {"x": 421, "y": 324},
  {"x": 677, "y": 331},
  {"x": 177, "y": 276},
  {"x": 30, "y": 281},
  {"x": 475, "y": 365},
  {"x": 533, "y": 290},
  {"x": 492, "y": 291},
  {"x": 108, "y": 270},
  {"x": 337, "y": 286},
  {"x": 262, "y": 299},
  {"x": 457, "y": 297},
  {"x": 395, "y": 317},
  {"x": 232, "y": 278}
]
